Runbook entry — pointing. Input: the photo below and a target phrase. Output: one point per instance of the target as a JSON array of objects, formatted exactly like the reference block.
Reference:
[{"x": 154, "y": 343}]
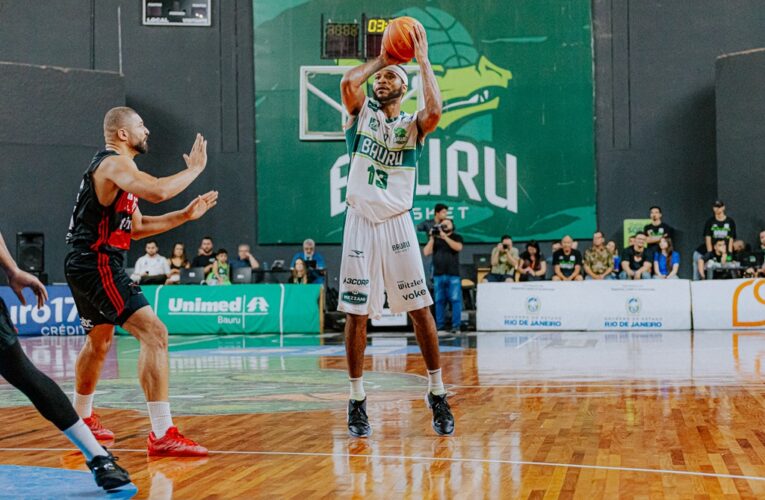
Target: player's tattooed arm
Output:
[
  {"x": 123, "y": 172},
  {"x": 351, "y": 86},
  {"x": 428, "y": 117}
]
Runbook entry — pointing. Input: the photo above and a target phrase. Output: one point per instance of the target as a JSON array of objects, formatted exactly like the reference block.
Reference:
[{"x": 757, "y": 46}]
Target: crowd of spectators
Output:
[
  {"x": 215, "y": 267},
  {"x": 650, "y": 254}
]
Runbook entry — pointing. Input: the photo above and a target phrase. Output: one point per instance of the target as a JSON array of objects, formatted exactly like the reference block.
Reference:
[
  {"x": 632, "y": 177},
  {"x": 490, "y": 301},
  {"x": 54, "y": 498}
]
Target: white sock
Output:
[
  {"x": 357, "y": 389},
  {"x": 83, "y": 404},
  {"x": 161, "y": 419},
  {"x": 435, "y": 384},
  {"x": 82, "y": 438}
]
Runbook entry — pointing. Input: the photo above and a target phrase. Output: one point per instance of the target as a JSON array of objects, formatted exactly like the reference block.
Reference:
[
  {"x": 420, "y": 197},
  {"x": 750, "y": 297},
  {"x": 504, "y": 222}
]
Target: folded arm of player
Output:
[
  {"x": 149, "y": 225},
  {"x": 351, "y": 85},
  {"x": 18, "y": 279},
  {"x": 122, "y": 171},
  {"x": 428, "y": 117}
]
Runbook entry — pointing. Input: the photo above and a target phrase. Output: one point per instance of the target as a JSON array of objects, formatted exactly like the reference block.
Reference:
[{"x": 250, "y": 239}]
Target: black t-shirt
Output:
[
  {"x": 717, "y": 258},
  {"x": 748, "y": 259},
  {"x": 202, "y": 260},
  {"x": 720, "y": 230},
  {"x": 446, "y": 260},
  {"x": 568, "y": 262},
  {"x": 635, "y": 259},
  {"x": 660, "y": 230}
]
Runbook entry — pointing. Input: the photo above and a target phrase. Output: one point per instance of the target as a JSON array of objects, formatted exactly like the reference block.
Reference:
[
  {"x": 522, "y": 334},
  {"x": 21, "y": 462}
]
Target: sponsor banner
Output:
[
  {"x": 638, "y": 305},
  {"x": 728, "y": 304},
  {"x": 530, "y": 306},
  {"x": 58, "y": 317},
  {"x": 185, "y": 309},
  {"x": 237, "y": 309},
  {"x": 606, "y": 305}
]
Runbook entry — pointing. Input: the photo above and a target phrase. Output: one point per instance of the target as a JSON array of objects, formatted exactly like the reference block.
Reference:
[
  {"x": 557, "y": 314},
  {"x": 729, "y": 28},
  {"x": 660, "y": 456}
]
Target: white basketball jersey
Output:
[{"x": 384, "y": 153}]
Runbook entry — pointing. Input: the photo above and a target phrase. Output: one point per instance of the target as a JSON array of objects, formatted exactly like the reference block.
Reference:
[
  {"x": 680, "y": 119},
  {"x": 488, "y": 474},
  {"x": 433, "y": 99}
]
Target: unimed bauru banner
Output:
[{"x": 513, "y": 152}]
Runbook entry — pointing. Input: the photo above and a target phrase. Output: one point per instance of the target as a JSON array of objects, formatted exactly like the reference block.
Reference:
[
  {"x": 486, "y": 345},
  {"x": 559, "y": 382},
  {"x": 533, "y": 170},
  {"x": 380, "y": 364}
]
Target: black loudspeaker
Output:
[{"x": 30, "y": 252}]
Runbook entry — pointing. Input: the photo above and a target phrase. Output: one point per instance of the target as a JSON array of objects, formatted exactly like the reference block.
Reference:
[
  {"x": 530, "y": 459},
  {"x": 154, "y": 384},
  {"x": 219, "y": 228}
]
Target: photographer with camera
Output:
[
  {"x": 440, "y": 214},
  {"x": 505, "y": 261},
  {"x": 445, "y": 245}
]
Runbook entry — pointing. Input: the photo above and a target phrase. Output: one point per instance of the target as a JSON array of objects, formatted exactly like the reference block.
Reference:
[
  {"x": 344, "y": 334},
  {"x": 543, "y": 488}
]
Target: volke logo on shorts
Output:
[
  {"x": 355, "y": 298},
  {"x": 420, "y": 292},
  {"x": 355, "y": 281},
  {"x": 401, "y": 247}
]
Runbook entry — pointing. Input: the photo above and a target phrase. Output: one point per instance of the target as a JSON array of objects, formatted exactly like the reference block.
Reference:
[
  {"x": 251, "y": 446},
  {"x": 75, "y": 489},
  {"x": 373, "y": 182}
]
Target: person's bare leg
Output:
[
  {"x": 355, "y": 343},
  {"x": 87, "y": 372},
  {"x": 427, "y": 337},
  {"x": 153, "y": 369},
  {"x": 91, "y": 358},
  {"x": 153, "y": 373}
]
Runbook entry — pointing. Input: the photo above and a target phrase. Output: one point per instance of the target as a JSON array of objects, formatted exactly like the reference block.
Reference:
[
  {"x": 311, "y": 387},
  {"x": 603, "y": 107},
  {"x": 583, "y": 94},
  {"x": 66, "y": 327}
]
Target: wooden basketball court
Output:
[{"x": 548, "y": 415}]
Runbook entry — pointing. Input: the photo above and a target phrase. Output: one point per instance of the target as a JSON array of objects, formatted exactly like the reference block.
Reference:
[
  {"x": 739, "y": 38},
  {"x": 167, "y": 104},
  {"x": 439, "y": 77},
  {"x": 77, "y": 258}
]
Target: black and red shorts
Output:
[{"x": 102, "y": 290}]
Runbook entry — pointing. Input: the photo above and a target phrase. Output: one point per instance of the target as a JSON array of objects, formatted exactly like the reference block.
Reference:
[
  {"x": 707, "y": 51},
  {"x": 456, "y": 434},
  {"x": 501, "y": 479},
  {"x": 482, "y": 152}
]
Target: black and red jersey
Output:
[{"x": 96, "y": 227}]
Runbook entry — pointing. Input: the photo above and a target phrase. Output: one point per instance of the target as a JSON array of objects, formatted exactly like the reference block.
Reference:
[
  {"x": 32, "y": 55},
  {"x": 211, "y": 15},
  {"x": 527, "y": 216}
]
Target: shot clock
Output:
[{"x": 352, "y": 39}]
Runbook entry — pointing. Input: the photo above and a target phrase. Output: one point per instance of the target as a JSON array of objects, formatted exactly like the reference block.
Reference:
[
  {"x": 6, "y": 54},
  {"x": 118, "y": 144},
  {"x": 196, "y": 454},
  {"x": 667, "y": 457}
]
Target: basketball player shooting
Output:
[
  {"x": 106, "y": 217},
  {"x": 380, "y": 248}
]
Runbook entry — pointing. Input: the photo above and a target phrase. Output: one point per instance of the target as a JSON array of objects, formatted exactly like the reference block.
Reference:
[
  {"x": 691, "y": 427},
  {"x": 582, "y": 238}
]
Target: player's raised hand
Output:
[
  {"x": 420, "y": 41},
  {"x": 197, "y": 157},
  {"x": 200, "y": 205},
  {"x": 19, "y": 280}
]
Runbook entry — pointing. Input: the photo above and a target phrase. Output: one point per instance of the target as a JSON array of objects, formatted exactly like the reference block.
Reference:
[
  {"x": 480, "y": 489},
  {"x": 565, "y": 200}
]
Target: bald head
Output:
[{"x": 124, "y": 127}]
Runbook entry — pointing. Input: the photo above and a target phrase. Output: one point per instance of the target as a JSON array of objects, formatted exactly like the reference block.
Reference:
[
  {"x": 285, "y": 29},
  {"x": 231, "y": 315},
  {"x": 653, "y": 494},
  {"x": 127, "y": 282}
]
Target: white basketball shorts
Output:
[{"x": 380, "y": 258}]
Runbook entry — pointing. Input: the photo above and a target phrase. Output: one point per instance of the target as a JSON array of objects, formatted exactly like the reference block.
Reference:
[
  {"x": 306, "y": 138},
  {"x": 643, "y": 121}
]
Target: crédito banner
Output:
[
  {"x": 58, "y": 317},
  {"x": 513, "y": 152}
]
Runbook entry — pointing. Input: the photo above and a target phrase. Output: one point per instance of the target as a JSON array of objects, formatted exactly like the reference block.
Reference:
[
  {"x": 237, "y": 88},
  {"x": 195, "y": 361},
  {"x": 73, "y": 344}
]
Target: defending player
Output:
[
  {"x": 48, "y": 397},
  {"x": 380, "y": 248},
  {"x": 106, "y": 217}
]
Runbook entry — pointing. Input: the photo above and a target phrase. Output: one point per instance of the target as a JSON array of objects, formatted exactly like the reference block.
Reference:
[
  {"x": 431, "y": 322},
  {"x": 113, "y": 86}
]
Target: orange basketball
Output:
[{"x": 397, "y": 39}]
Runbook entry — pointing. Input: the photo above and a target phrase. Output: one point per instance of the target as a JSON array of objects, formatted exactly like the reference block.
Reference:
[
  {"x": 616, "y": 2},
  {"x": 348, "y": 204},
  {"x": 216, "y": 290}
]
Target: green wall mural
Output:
[{"x": 513, "y": 153}]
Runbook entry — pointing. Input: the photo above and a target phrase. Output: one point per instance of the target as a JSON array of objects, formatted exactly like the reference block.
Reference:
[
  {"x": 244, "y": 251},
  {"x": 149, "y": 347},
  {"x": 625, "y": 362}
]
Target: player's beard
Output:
[
  {"x": 142, "y": 146},
  {"x": 392, "y": 96}
]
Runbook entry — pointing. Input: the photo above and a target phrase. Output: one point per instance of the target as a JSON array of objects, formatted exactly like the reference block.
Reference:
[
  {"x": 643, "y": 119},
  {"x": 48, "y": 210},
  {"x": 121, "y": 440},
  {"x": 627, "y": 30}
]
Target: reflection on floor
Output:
[{"x": 581, "y": 414}]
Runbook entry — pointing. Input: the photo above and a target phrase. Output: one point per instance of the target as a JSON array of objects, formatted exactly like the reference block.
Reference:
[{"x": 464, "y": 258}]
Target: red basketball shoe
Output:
[
  {"x": 99, "y": 431},
  {"x": 173, "y": 444}
]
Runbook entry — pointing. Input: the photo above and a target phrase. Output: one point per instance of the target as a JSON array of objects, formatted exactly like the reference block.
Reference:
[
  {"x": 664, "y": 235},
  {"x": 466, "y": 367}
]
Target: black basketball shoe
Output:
[
  {"x": 358, "y": 423},
  {"x": 443, "y": 420},
  {"x": 107, "y": 473}
]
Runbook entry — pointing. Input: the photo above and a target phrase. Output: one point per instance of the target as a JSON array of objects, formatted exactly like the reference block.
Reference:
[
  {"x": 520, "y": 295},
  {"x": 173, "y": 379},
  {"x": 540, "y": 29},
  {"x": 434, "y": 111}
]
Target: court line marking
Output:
[
  {"x": 439, "y": 459},
  {"x": 203, "y": 339}
]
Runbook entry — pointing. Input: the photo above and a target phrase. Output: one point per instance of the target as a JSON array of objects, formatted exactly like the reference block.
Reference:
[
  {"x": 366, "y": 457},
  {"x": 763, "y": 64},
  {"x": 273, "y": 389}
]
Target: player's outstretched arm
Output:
[
  {"x": 428, "y": 117},
  {"x": 18, "y": 279},
  {"x": 149, "y": 225},
  {"x": 123, "y": 172}
]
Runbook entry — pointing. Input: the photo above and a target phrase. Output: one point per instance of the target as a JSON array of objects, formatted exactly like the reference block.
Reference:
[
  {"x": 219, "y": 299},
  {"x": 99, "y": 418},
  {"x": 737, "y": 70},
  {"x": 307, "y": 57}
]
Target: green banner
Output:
[
  {"x": 513, "y": 153},
  {"x": 195, "y": 309}
]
